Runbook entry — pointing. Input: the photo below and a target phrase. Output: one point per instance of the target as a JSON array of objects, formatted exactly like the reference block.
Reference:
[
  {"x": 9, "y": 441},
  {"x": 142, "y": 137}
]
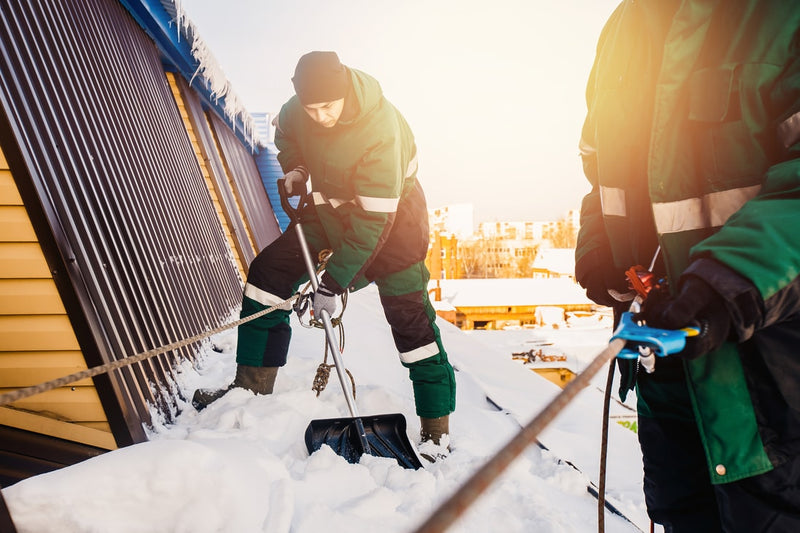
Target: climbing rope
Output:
[
  {"x": 324, "y": 369},
  {"x": 448, "y": 512},
  {"x": 26, "y": 392},
  {"x": 300, "y": 305},
  {"x": 601, "y": 484}
]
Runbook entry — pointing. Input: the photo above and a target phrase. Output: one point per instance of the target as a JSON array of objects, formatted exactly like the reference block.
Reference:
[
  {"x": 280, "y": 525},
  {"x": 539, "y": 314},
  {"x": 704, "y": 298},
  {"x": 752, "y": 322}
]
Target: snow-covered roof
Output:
[
  {"x": 511, "y": 292},
  {"x": 560, "y": 260},
  {"x": 242, "y": 465}
]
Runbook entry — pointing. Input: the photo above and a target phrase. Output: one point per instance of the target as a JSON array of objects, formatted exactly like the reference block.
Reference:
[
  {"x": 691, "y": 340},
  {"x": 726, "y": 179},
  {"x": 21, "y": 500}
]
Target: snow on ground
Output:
[{"x": 241, "y": 465}]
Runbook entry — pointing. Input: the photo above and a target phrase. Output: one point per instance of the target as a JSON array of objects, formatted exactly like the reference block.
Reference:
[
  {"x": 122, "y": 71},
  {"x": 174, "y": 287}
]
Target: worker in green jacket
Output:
[
  {"x": 368, "y": 207},
  {"x": 692, "y": 146}
]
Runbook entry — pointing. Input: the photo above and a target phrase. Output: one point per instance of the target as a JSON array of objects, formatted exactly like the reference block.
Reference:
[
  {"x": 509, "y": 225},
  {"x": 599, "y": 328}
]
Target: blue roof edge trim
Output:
[
  {"x": 270, "y": 170},
  {"x": 176, "y": 51}
]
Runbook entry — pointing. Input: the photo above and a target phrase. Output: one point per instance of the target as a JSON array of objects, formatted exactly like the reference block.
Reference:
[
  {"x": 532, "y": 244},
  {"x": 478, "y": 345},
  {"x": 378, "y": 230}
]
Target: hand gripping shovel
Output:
[{"x": 379, "y": 435}]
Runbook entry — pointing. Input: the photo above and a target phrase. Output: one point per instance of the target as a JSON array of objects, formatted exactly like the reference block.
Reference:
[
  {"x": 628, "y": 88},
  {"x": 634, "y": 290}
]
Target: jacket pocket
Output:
[
  {"x": 729, "y": 123},
  {"x": 337, "y": 181}
]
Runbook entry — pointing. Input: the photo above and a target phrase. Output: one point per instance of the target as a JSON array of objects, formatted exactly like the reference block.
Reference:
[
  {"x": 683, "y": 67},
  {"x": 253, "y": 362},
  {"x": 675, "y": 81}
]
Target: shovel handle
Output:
[
  {"x": 330, "y": 336},
  {"x": 294, "y": 214}
]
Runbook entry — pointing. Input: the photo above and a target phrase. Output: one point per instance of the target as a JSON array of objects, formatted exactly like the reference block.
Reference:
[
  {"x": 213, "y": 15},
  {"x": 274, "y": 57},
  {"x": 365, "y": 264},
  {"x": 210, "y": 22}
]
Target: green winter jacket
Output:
[
  {"x": 363, "y": 180},
  {"x": 691, "y": 142}
]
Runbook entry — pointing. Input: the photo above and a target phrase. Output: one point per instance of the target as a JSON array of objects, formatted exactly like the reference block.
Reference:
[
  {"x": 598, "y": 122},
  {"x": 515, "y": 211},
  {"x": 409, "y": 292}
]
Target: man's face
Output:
[{"x": 326, "y": 114}]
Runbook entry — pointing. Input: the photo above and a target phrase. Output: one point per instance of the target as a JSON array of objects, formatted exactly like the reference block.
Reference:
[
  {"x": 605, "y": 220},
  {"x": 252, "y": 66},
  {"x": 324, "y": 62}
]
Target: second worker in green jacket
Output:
[{"x": 692, "y": 146}]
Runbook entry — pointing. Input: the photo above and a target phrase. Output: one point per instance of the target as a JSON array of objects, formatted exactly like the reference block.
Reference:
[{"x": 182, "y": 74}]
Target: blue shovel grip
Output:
[{"x": 662, "y": 342}]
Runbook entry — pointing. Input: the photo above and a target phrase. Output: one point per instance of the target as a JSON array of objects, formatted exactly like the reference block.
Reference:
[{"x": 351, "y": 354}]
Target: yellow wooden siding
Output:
[
  {"x": 68, "y": 404},
  {"x": 93, "y": 434},
  {"x": 37, "y": 342},
  {"x": 210, "y": 185},
  {"x": 8, "y": 189},
  {"x": 29, "y": 296},
  {"x": 20, "y": 333},
  {"x": 37, "y": 367},
  {"x": 15, "y": 226},
  {"x": 21, "y": 260},
  {"x": 235, "y": 190}
]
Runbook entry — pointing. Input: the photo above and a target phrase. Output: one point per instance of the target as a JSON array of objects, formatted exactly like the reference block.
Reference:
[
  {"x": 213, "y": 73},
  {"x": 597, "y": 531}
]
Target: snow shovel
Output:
[{"x": 379, "y": 435}]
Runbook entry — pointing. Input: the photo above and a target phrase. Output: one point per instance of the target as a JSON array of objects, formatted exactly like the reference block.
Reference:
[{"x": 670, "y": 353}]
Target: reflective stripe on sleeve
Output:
[
  {"x": 367, "y": 203},
  {"x": 418, "y": 354},
  {"x": 789, "y": 130},
  {"x": 378, "y": 205},
  {"x": 337, "y": 202},
  {"x": 711, "y": 210},
  {"x": 265, "y": 298},
  {"x": 612, "y": 201},
  {"x": 412, "y": 166},
  {"x": 585, "y": 148},
  {"x": 319, "y": 198}
]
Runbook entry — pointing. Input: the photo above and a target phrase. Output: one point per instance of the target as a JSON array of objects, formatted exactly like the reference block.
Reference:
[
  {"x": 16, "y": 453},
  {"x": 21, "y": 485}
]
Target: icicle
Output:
[{"x": 215, "y": 80}]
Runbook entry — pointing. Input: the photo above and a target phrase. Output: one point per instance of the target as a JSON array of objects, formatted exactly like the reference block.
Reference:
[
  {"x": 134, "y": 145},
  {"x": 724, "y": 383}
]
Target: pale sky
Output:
[{"x": 493, "y": 90}]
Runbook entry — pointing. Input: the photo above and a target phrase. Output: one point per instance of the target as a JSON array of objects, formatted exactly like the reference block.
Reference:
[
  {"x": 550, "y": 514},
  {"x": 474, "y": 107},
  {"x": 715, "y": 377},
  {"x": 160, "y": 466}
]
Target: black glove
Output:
[
  {"x": 696, "y": 304},
  {"x": 597, "y": 274},
  {"x": 323, "y": 299}
]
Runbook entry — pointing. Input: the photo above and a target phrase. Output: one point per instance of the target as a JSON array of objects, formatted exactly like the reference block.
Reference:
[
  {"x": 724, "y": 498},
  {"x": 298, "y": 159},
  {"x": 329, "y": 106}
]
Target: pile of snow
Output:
[{"x": 241, "y": 465}]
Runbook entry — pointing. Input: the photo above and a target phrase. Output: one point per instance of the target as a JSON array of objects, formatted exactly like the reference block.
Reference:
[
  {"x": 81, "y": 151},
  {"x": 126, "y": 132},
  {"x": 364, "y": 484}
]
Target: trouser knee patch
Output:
[{"x": 277, "y": 345}]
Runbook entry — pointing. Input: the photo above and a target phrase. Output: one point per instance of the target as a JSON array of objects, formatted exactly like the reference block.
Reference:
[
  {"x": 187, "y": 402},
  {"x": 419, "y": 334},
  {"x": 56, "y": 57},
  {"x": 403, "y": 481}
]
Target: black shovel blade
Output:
[{"x": 386, "y": 435}]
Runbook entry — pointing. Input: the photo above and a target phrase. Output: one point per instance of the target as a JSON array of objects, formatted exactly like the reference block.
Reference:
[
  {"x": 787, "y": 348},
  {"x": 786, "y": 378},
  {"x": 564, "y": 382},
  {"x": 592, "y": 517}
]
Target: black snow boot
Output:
[
  {"x": 259, "y": 379},
  {"x": 432, "y": 445}
]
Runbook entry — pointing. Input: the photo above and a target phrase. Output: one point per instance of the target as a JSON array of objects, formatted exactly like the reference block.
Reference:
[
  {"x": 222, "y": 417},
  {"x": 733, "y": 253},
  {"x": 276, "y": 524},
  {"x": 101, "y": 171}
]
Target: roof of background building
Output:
[
  {"x": 511, "y": 292},
  {"x": 560, "y": 260}
]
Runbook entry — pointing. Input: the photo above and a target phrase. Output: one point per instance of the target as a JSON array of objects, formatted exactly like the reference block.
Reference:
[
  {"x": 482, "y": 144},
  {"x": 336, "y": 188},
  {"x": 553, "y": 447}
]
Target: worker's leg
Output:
[
  {"x": 408, "y": 310},
  {"x": 263, "y": 343},
  {"x": 273, "y": 277},
  {"x": 677, "y": 486}
]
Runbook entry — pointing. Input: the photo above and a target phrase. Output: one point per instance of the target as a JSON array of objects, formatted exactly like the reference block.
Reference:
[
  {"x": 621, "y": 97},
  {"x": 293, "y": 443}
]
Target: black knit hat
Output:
[{"x": 320, "y": 77}]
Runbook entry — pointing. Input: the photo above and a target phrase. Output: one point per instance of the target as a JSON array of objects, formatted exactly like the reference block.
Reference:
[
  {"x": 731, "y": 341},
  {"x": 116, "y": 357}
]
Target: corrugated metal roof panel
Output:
[
  {"x": 249, "y": 188},
  {"x": 105, "y": 168}
]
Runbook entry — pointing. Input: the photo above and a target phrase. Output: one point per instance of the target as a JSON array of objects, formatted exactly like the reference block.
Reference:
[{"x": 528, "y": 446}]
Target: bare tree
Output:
[
  {"x": 494, "y": 257},
  {"x": 470, "y": 258},
  {"x": 563, "y": 234}
]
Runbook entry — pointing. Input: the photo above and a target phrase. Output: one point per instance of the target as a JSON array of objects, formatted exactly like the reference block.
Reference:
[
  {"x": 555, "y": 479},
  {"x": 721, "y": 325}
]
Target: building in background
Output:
[
  {"x": 457, "y": 219},
  {"x": 516, "y": 230},
  {"x": 264, "y": 129},
  {"x": 500, "y": 303}
]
